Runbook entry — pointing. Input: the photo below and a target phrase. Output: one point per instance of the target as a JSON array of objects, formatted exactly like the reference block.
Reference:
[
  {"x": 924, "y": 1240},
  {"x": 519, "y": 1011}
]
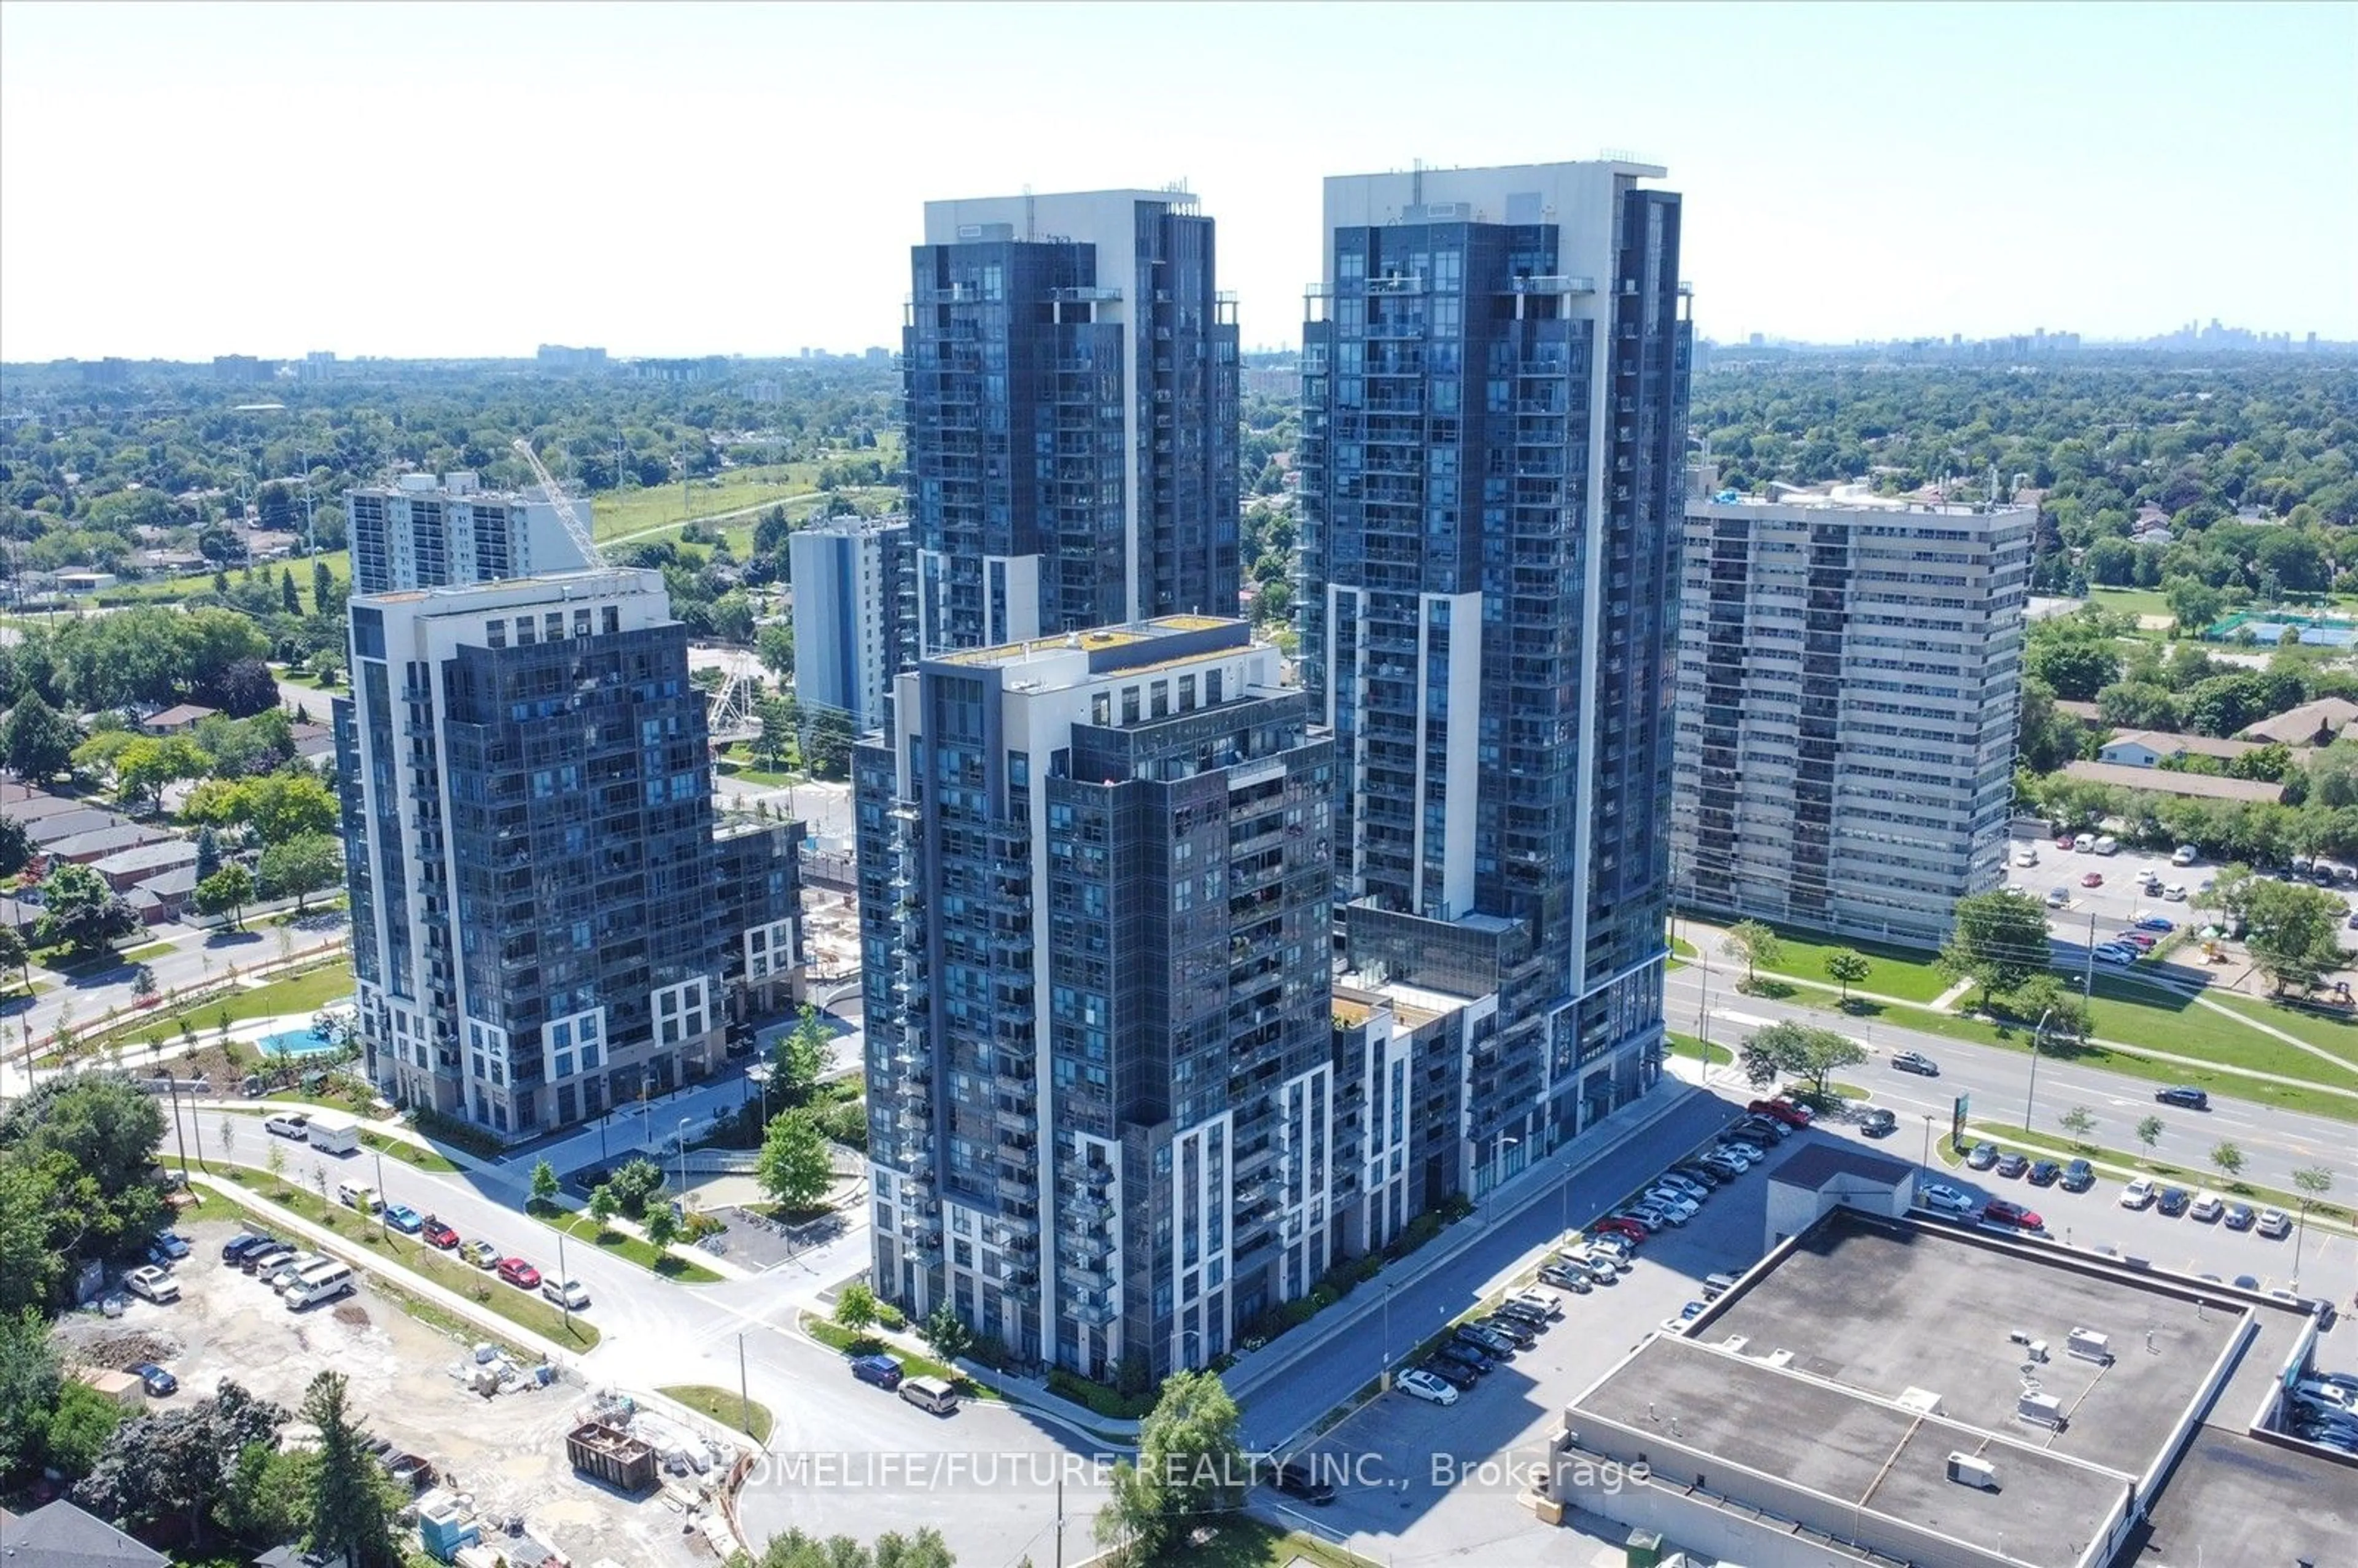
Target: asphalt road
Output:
[{"x": 2275, "y": 1143}]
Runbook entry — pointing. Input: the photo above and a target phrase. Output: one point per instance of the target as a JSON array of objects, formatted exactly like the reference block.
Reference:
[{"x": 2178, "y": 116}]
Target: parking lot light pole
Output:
[
  {"x": 2037, "y": 1036},
  {"x": 1384, "y": 1374},
  {"x": 1924, "y": 1167}
]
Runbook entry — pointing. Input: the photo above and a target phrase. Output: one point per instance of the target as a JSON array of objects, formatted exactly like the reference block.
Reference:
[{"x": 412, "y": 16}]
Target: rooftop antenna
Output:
[{"x": 1028, "y": 231}]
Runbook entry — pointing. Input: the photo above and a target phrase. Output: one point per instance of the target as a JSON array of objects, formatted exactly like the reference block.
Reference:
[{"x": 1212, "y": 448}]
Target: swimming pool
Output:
[{"x": 295, "y": 1043}]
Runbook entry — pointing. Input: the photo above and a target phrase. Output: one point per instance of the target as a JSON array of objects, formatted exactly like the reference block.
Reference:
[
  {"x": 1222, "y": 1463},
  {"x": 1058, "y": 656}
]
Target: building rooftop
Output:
[
  {"x": 1860, "y": 502},
  {"x": 1111, "y": 649},
  {"x": 1822, "y": 1164},
  {"x": 2169, "y": 742},
  {"x": 104, "y": 842},
  {"x": 471, "y": 598},
  {"x": 2165, "y": 781},
  {"x": 2303, "y": 725},
  {"x": 59, "y": 1535},
  {"x": 2243, "y": 1500}
]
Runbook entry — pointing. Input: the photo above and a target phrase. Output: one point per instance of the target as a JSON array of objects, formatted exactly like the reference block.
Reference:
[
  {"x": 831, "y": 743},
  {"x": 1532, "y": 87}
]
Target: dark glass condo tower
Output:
[
  {"x": 1070, "y": 380},
  {"x": 1494, "y": 402}
]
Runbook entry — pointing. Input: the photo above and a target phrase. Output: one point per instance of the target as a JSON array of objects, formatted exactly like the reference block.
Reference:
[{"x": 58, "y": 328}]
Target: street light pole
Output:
[
  {"x": 681, "y": 1133},
  {"x": 564, "y": 1295},
  {"x": 2037, "y": 1036},
  {"x": 1924, "y": 1165},
  {"x": 381, "y": 1205}
]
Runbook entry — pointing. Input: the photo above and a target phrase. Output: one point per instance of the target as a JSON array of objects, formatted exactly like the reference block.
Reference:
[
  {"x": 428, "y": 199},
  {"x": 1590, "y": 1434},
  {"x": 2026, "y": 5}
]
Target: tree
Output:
[
  {"x": 143, "y": 981},
  {"x": 1753, "y": 942},
  {"x": 247, "y": 687},
  {"x": 946, "y": 1333},
  {"x": 1848, "y": 965},
  {"x": 2314, "y": 1182},
  {"x": 638, "y": 1185},
  {"x": 145, "y": 766},
  {"x": 1191, "y": 1463},
  {"x": 662, "y": 1226},
  {"x": 545, "y": 1186},
  {"x": 2293, "y": 932},
  {"x": 799, "y": 1057},
  {"x": 2075, "y": 668},
  {"x": 856, "y": 1306},
  {"x": 301, "y": 866},
  {"x": 80, "y": 910},
  {"x": 2148, "y": 1133},
  {"x": 2079, "y": 1121},
  {"x": 1999, "y": 940},
  {"x": 1803, "y": 1051},
  {"x": 289, "y": 599},
  {"x": 2195, "y": 603},
  {"x": 829, "y": 753},
  {"x": 278, "y": 806},
  {"x": 165, "y": 1468},
  {"x": 603, "y": 1205},
  {"x": 15, "y": 847},
  {"x": 30, "y": 1376},
  {"x": 324, "y": 597},
  {"x": 352, "y": 1504},
  {"x": 2228, "y": 1157},
  {"x": 39, "y": 742},
  {"x": 15, "y": 956},
  {"x": 265, "y": 1494},
  {"x": 77, "y": 1429},
  {"x": 795, "y": 1168},
  {"x": 227, "y": 892},
  {"x": 925, "y": 1549},
  {"x": 2058, "y": 1014},
  {"x": 209, "y": 858},
  {"x": 774, "y": 646}
]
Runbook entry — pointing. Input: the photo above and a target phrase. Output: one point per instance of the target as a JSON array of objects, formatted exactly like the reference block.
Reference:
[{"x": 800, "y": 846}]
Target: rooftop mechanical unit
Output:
[{"x": 1969, "y": 1471}]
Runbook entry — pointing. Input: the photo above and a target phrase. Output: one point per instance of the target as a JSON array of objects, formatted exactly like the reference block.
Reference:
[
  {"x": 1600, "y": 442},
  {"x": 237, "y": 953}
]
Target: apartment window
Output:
[
  {"x": 610, "y": 620},
  {"x": 1101, "y": 709},
  {"x": 581, "y": 624},
  {"x": 524, "y": 634},
  {"x": 1186, "y": 694},
  {"x": 553, "y": 626},
  {"x": 1129, "y": 705},
  {"x": 495, "y": 633}
]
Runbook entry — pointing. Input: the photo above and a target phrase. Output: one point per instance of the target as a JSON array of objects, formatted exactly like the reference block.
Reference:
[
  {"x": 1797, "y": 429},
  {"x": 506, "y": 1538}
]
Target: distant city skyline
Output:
[{"x": 185, "y": 181}]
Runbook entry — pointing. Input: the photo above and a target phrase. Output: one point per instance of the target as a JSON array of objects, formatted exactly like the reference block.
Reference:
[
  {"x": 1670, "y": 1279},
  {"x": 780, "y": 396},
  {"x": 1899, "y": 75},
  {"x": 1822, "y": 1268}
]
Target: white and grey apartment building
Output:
[
  {"x": 855, "y": 614},
  {"x": 1849, "y": 670},
  {"x": 425, "y": 531},
  {"x": 1095, "y": 884},
  {"x": 543, "y": 924}
]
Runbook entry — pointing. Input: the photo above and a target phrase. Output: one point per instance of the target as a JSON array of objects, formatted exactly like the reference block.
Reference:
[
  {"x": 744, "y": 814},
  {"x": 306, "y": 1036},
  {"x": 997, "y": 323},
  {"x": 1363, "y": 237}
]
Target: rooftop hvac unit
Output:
[
  {"x": 1969, "y": 1471},
  {"x": 2040, "y": 1409},
  {"x": 1923, "y": 1401},
  {"x": 2090, "y": 1345}
]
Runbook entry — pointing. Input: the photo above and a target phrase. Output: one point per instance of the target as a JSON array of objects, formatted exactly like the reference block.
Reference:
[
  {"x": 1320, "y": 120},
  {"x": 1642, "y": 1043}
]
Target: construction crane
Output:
[{"x": 575, "y": 528}]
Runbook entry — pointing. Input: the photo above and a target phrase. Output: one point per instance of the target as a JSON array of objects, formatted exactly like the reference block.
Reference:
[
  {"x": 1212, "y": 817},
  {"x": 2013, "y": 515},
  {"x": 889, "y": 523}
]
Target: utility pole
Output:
[
  {"x": 1060, "y": 1517},
  {"x": 2088, "y": 979},
  {"x": 2037, "y": 1036}
]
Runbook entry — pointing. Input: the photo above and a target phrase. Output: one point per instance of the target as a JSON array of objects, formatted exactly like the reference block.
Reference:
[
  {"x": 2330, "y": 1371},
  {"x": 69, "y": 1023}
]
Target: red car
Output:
[
  {"x": 2093, "y": 880},
  {"x": 1793, "y": 1116},
  {"x": 519, "y": 1273},
  {"x": 438, "y": 1234},
  {"x": 1621, "y": 1225},
  {"x": 2064, "y": 841},
  {"x": 2001, "y": 1212}
]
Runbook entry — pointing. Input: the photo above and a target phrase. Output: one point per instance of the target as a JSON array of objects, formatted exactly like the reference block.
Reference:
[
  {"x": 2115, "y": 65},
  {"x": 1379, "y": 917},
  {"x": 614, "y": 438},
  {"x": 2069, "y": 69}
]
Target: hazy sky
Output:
[{"x": 189, "y": 180}]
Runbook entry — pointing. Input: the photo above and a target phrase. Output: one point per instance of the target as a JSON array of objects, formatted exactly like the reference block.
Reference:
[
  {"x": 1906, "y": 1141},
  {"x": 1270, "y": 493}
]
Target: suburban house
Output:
[
  {"x": 129, "y": 868},
  {"x": 2151, "y": 748},
  {"x": 85, "y": 848},
  {"x": 177, "y": 719},
  {"x": 2164, "y": 781},
  {"x": 59, "y": 1535},
  {"x": 2318, "y": 723}
]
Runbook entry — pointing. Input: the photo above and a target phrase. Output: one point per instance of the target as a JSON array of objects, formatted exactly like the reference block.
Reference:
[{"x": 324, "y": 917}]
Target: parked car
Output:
[
  {"x": 881, "y": 1370},
  {"x": 406, "y": 1220},
  {"x": 1538, "y": 1306},
  {"x": 1946, "y": 1198},
  {"x": 1916, "y": 1062},
  {"x": 2159, "y": 924},
  {"x": 2172, "y": 1201},
  {"x": 2138, "y": 1192},
  {"x": 566, "y": 1293},
  {"x": 1506, "y": 1326},
  {"x": 1467, "y": 1355},
  {"x": 2275, "y": 1223},
  {"x": 154, "y": 1378},
  {"x": 518, "y": 1272},
  {"x": 2059, "y": 898},
  {"x": 1423, "y": 1385},
  {"x": 1299, "y": 1480},
  {"x": 153, "y": 1283},
  {"x": 2042, "y": 1173},
  {"x": 2143, "y": 941},
  {"x": 1700, "y": 1174},
  {"x": 1878, "y": 1121},
  {"x": 1676, "y": 1202},
  {"x": 261, "y": 1260},
  {"x": 2184, "y": 855},
  {"x": 1743, "y": 1148},
  {"x": 2186, "y": 1095},
  {"x": 1772, "y": 1132},
  {"x": 1622, "y": 1225},
  {"x": 1614, "y": 1247},
  {"x": 1564, "y": 1277},
  {"x": 2175, "y": 892},
  {"x": 1449, "y": 1372},
  {"x": 2078, "y": 1176},
  {"x": 2000, "y": 1211},
  {"x": 2065, "y": 842},
  {"x": 438, "y": 1234},
  {"x": 1982, "y": 1157},
  {"x": 1786, "y": 1111},
  {"x": 288, "y": 1124},
  {"x": 2117, "y": 953},
  {"x": 480, "y": 1253},
  {"x": 234, "y": 1249},
  {"x": 2093, "y": 880},
  {"x": 169, "y": 1247},
  {"x": 2239, "y": 1216},
  {"x": 1488, "y": 1341},
  {"x": 1685, "y": 1186},
  {"x": 2207, "y": 1206}
]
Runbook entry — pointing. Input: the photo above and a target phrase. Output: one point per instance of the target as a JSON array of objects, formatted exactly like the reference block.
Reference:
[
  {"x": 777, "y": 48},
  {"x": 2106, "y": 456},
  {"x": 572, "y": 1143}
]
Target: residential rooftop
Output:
[
  {"x": 2168, "y": 780},
  {"x": 1111, "y": 650}
]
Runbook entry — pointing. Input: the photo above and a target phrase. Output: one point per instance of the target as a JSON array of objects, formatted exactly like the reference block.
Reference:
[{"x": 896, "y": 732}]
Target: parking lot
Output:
[
  {"x": 507, "y": 1450},
  {"x": 1421, "y": 1483},
  {"x": 2119, "y": 902}
]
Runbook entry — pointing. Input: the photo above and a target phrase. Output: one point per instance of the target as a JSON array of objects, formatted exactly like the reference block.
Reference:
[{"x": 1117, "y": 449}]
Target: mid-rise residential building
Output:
[
  {"x": 1094, "y": 874},
  {"x": 539, "y": 928},
  {"x": 1848, "y": 673},
  {"x": 428, "y": 532},
  {"x": 855, "y": 621},
  {"x": 1070, "y": 379},
  {"x": 757, "y": 869},
  {"x": 1495, "y": 389}
]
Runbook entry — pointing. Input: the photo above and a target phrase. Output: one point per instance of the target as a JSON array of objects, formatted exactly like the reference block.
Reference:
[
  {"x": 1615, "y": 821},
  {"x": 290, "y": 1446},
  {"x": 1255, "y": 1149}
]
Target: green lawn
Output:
[
  {"x": 1906, "y": 974},
  {"x": 144, "y": 951},
  {"x": 1236, "y": 1541},
  {"x": 2130, "y": 600},
  {"x": 615, "y": 512},
  {"x": 408, "y": 1153},
  {"x": 2140, "y": 1014},
  {"x": 523, "y": 1308},
  {"x": 729, "y": 1409},
  {"x": 339, "y": 564},
  {"x": 1690, "y": 1045},
  {"x": 2333, "y": 1030},
  {"x": 2007, "y": 1135},
  {"x": 620, "y": 1244},
  {"x": 301, "y": 995}
]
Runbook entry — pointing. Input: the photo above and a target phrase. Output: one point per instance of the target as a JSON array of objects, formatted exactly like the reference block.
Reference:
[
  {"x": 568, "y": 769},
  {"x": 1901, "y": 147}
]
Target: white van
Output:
[
  {"x": 321, "y": 1285},
  {"x": 1717, "y": 1285},
  {"x": 2083, "y": 842},
  {"x": 2107, "y": 845},
  {"x": 929, "y": 1394},
  {"x": 302, "y": 1279}
]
